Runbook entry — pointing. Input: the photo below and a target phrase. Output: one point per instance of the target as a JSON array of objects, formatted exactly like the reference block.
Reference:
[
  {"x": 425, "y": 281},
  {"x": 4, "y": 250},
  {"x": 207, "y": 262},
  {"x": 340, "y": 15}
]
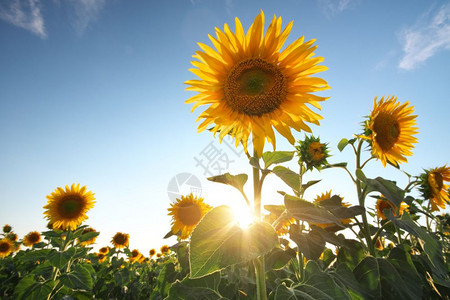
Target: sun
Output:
[{"x": 242, "y": 215}]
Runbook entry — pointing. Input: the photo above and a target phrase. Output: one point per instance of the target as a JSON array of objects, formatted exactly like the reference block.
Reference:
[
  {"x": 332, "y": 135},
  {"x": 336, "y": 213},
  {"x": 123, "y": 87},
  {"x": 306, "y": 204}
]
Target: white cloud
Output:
[
  {"x": 426, "y": 38},
  {"x": 25, "y": 14},
  {"x": 84, "y": 12},
  {"x": 334, "y": 7}
]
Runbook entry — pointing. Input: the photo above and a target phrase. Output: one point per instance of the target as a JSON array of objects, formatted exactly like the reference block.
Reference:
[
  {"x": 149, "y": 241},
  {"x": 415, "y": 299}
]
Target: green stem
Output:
[
  {"x": 361, "y": 201},
  {"x": 258, "y": 262}
]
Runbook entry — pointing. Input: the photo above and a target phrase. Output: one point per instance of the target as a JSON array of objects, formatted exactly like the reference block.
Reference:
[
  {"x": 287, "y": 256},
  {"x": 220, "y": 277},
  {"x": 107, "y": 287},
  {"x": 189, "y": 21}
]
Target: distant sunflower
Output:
[
  {"x": 101, "y": 257},
  {"x": 90, "y": 241},
  {"x": 384, "y": 203},
  {"x": 186, "y": 214},
  {"x": 283, "y": 225},
  {"x": 433, "y": 187},
  {"x": 165, "y": 249},
  {"x": 7, "y": 228},
  {"x": 32, "y": 238},
  {"x": 152, "y": 252},
  {"x": 12, "y": 237},
  {"x": 6, "y": 247},
  {"x": 325, "y": 196},
  {"x": 390, "y": 129},
  {"x": 252, "y": 86},
  {"x": 136, "y": 256},
  {"x": 66, "y": 209},
  {"x": 120, "y": 240},
  {"x": 104, "y": 250}
]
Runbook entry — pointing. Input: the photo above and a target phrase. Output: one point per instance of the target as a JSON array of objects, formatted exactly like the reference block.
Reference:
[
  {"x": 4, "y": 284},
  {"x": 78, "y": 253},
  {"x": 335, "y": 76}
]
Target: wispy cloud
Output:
[
  {"x": 428, "y": 36},
  {"x": 25, "y": 14},
  {"x": 334, "y": 7},
  {"x": 85, "y": 12}
]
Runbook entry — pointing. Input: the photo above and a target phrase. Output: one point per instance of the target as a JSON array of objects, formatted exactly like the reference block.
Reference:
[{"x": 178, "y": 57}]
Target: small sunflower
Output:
[
  {"x": 312, "y": 152},
  {"x": 32, "y": 238},
  {"x": 252, "y": 86},
  {"x": 390, "y": 129},
  {"x": 104, "y": 250},
  {"x": 158, "y": 255},
  {"x": 6, "y": 247},
  {"x": 379, "y": 244},
  {"x": 186, "y": 214},
  {"x": 383, "y": 203},
  {"x": 90, "y": 241},
  {"x": 12, "y": 237},
  {"x": 152, "y": 252},
  {"x": 165, "y": 249},
  {"x": 325, "y": 196},
  {"x": 7, "y": 228},
  {"x": 136, "y": 256},
  {"x": 120, "y": 240},
  {"x": 66, "y": 209},
  {"x": 101, "y": 257},
  {"x": 433, "y": 187}
]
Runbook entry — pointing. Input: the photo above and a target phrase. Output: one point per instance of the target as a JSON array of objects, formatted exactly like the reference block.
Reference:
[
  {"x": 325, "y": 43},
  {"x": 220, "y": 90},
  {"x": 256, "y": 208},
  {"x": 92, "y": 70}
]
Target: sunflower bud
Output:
[
  {"x": 312, "y": 152},
  {"x": 7, "y": 228}
]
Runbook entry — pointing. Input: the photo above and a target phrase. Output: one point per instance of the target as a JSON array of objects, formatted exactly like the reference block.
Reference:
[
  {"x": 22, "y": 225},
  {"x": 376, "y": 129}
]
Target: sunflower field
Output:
[{"x": 321, "y": 248}]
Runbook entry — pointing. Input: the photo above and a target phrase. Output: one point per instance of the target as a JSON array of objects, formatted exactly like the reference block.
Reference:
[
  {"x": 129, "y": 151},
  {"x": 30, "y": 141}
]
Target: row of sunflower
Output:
[{"x": 61, "y": 262}]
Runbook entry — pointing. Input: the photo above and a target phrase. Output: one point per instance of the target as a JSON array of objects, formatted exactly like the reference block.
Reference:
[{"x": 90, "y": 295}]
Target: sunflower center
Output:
[
  {"x": 438, "y": 179},
  {"x": 189, "y": 214},
  {"x": 4, "y": 247},
  {"x": 255, "y": 87},
  {"x": 387, "y": 130},
  {"x": 34, "y": 238},
  {"x": 120, "y": 239},
  {"x": 71, "y": 206},
  {"x": 315, "y": 149}
]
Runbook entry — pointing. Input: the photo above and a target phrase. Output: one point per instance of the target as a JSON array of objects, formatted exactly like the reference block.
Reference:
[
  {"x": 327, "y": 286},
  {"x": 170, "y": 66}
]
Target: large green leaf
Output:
[
  {"x": 401, "y": 260},
  {"x": 218, "y": 242},
  {"x": 310, "y": 244},
  {"x": 388, "y": 188},
  {"x": 345, "y": 276},
  {"x": 288, "y": 176},
  {"x": 236, "y": 181},
  {"x": 310, "y": 212},
  {"x": 58, "y": 259},
  {"x": 276, "y": 157},
  {"x": 78, "y": 279},
  {"x": 432, "y": 247},
  {"x": 301, "y": 292},
  {"x": 165, "y": 278},
  {"x": 352, "y": 254},
  {"x": 205, "y": 288},
  {"x": 368, "y": 275},
  {"x": 323, "y": 281},
  {"x": 278, "y": 258}
]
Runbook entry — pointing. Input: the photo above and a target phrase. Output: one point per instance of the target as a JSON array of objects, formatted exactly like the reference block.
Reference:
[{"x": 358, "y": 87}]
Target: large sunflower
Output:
[
  {"x": 391, "y": 129},
  {"x": 433, "y": 186},
  {"x": 66, "y": 209},
  {"x": 186, "y": 214},
  {"x": 6, "y": 247},
  {"x": 121, "y": 240},
  {"x": 32, "y": 238},
  {"x": 252, "y": 86}
]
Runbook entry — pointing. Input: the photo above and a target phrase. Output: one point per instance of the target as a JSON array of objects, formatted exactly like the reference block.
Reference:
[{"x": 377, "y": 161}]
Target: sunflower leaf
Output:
[
  {"x": 200, "y": 288},
  {"x": 288, "y": 176},
  {"x": 342, "y": 144},
  {"x": 276, "y": 157},
  {"x": 218, "y": 242},
  {"x": 388, "y": 189},
  {"x": 236, "y": 181}
]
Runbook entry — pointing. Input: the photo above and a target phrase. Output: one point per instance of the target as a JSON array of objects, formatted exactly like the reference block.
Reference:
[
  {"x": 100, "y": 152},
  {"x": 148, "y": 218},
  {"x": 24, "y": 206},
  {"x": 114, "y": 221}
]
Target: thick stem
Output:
[{"x": 258, "y": 262}]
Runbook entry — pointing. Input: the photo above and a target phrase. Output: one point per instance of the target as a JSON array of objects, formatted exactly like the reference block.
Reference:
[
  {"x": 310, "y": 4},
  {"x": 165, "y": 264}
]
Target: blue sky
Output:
[{"x": 92, "y": 92}]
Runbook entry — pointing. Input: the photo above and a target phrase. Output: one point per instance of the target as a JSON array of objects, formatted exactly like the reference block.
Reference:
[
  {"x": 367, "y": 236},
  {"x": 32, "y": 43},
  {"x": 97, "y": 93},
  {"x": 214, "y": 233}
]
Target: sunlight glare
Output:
[{"x": 243, "y": 215}]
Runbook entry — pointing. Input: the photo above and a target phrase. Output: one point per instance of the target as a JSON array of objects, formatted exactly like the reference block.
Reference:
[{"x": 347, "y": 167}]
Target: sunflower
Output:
[
  {"x": 7, "y": 228},
  {"x": 6, "y": 247},
  {"x": 136, "y": 256},
  {"x": 90, "y": 241},
  {"x": 251, "y": 86},
  {"x": 379, "y": 244},
  {"x": 383, "y": 203},
  {"x": 326, "y": 196},
  {"x": 390, "y": 130},
  {"x": 152, "y": 252},
  {"x": 433, "y": 187},
  {"x": 12, "y": 237},
  {"x": 66, "y": 209},
  {"x": 283, "y": 225},
  {"x": 186, "y": 214},
  {"x": 32, "y": 238},
  {"x": 165, "y": 249},
  {"x": 101, "y": 257},
  {"x": 120, "y": 240},
  {"x": 104, "y": 250}
]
